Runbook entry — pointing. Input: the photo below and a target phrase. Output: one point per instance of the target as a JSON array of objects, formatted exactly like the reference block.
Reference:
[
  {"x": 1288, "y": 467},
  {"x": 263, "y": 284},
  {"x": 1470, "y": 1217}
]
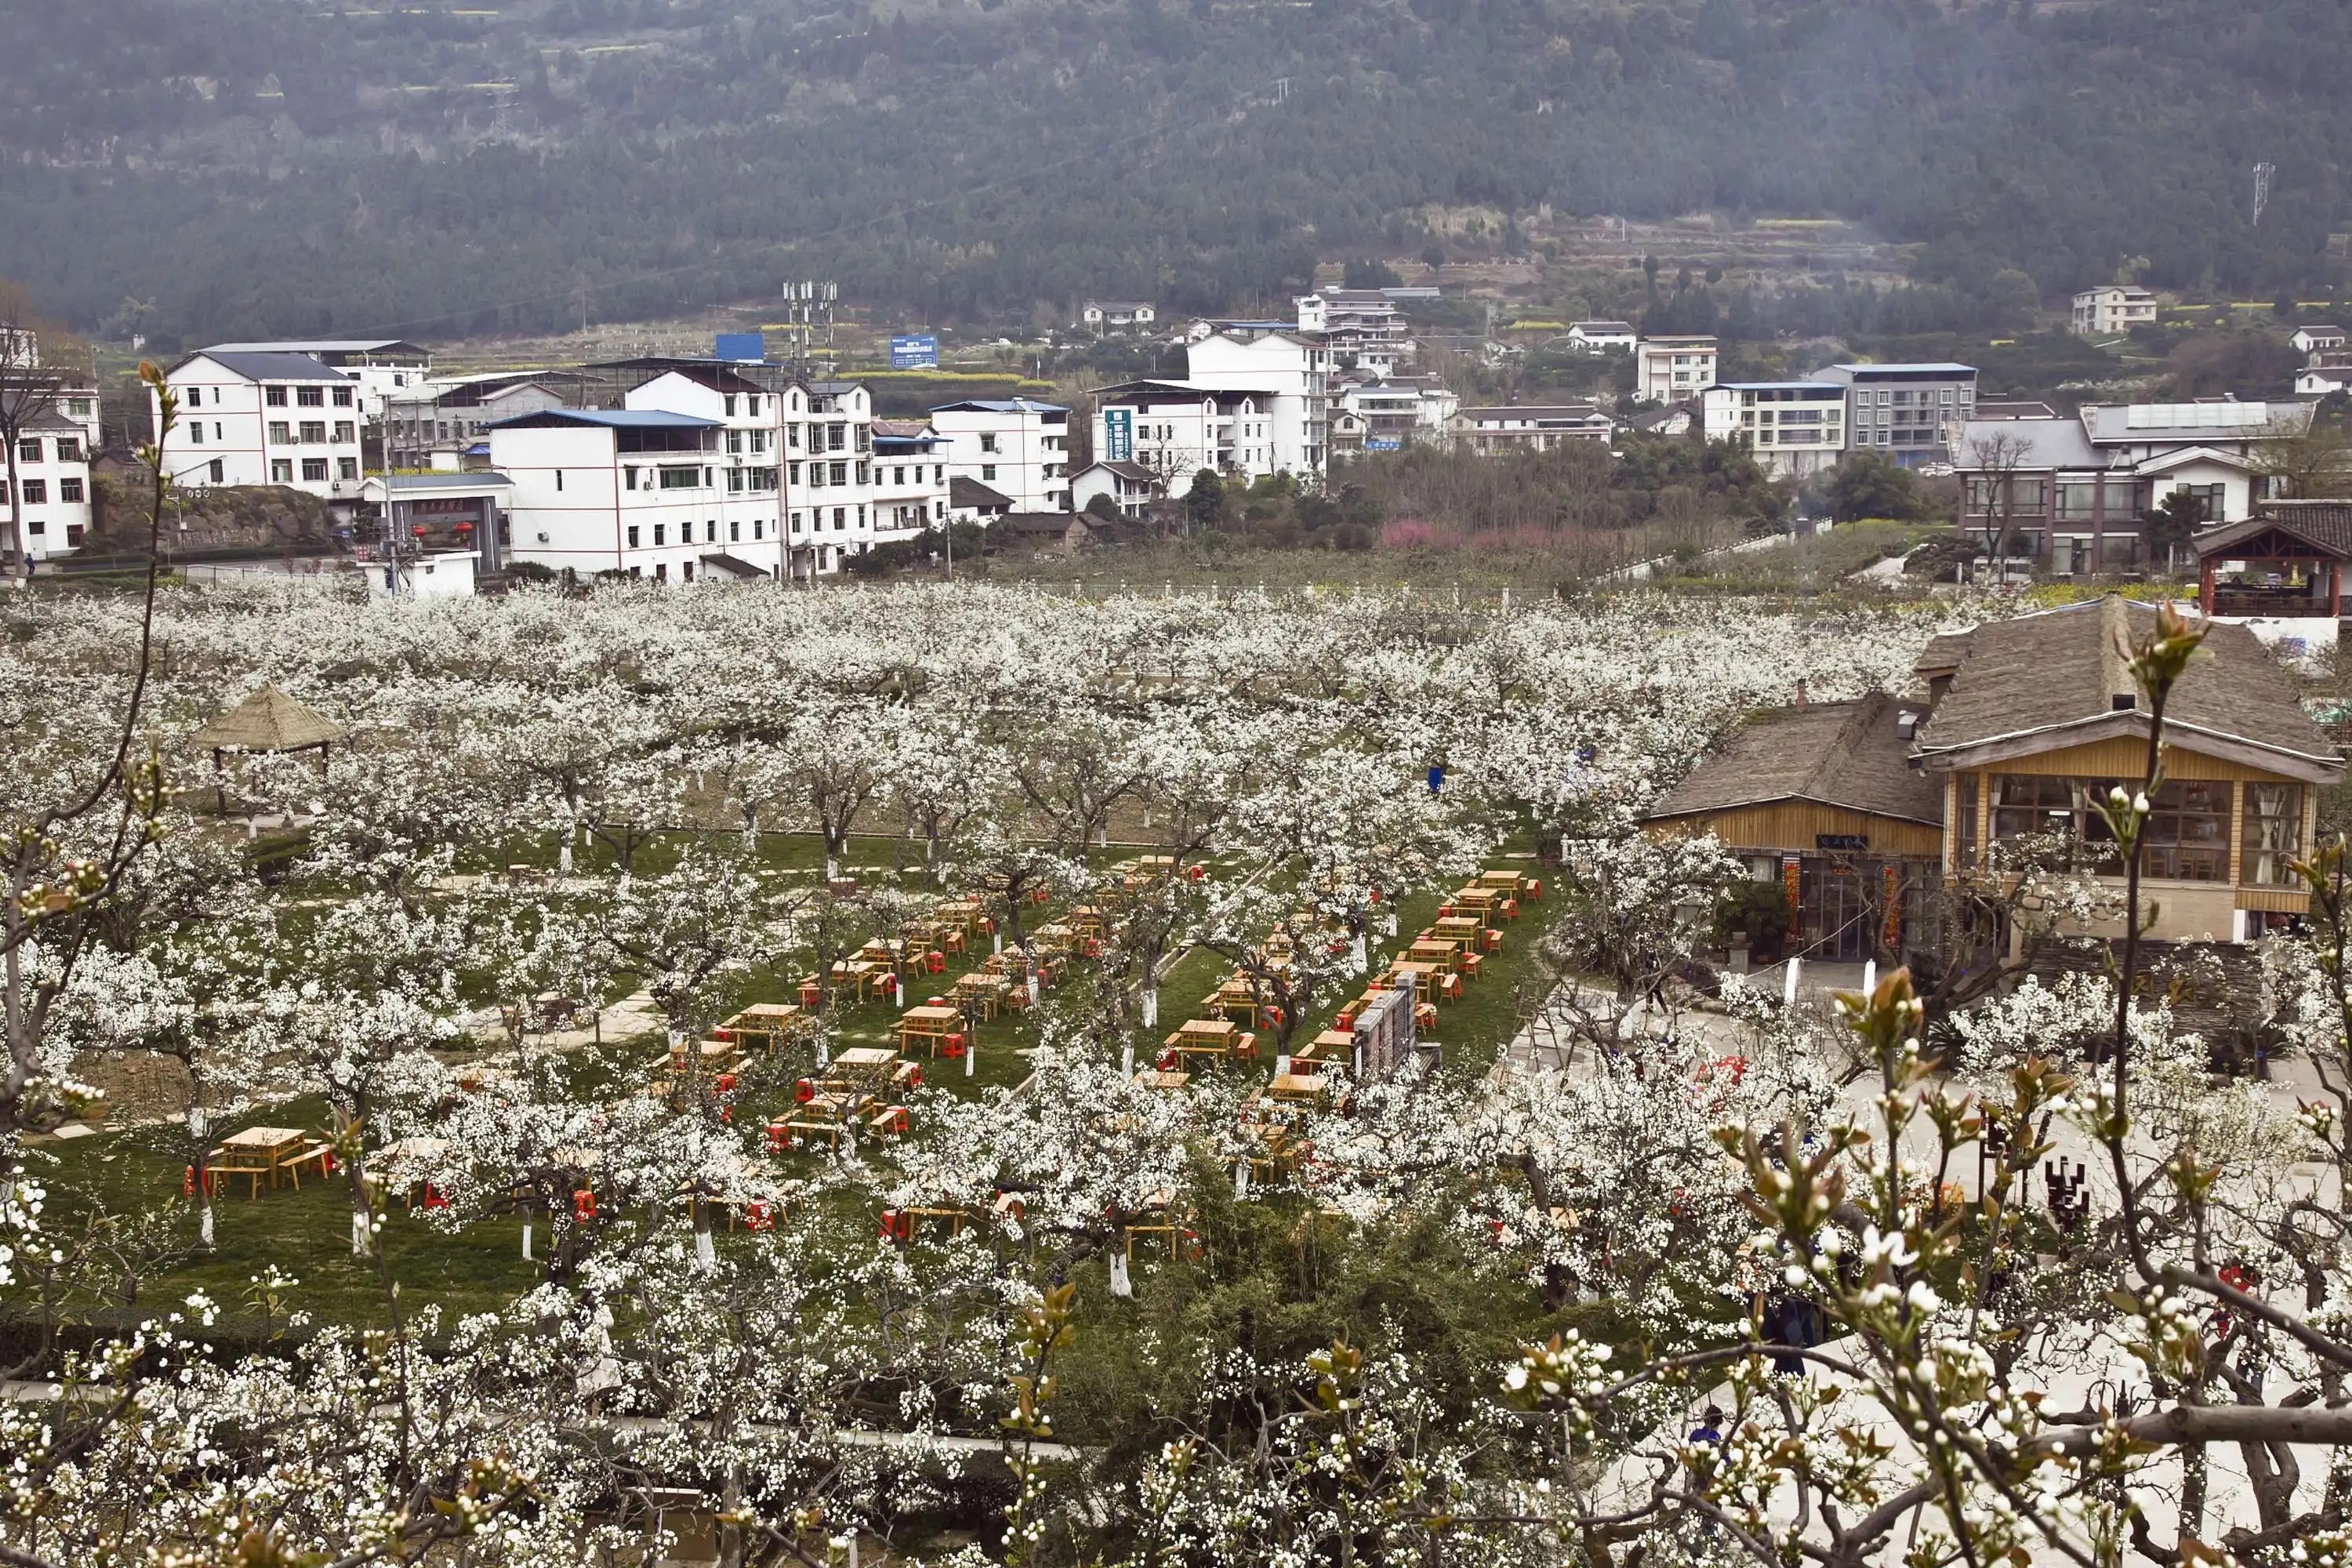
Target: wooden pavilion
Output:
[{"x": 2288, "y": 561}]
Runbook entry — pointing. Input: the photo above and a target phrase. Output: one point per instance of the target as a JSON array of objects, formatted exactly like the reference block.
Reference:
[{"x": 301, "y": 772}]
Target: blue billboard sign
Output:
[
  {"x": 915, "y": 350},
  {"x": 743, "y": 348},
  {"x": 1118, "y": 435},
  {"x": 1381, "y": 444}
]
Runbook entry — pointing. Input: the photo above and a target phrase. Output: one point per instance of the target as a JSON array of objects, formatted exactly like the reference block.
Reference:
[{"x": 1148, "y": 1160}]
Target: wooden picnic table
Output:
[
  {"x": 1436, "y": 954},
  {"x": 1055, "y": 937},
  {"x": 865, "y": 1058},
  {"x": 1205, "y": 1037},
  {"x": 1087, "y": 919},
  {"x": 1331, "y": 1046},
  {"x": 961, "y": 912},
  {"x": 865, "y": 975},
  {"x": 1233, "y": 994},
  {"x": 1417, "y": 977},
  {"x": 1500, "y": 881},
  {"x": 1483, "y": 901},
  {"x": 1465, "y": 928},
  {"x": 1300, "y": 1087},
  {"x": 264, "y": 1153},
  {"x": 772, "y": 1022},
  {"x": 714, "y": 1056},
  {"x": 984, "y": 992},
  {"x": 1155, "y": 1078},
  {"x": 932, "y": 1024}
]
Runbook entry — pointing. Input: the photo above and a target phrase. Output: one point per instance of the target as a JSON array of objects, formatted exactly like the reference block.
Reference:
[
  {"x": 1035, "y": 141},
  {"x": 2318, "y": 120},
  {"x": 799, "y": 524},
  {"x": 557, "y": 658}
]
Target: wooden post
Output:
[{"x": 2205, "y": 585}]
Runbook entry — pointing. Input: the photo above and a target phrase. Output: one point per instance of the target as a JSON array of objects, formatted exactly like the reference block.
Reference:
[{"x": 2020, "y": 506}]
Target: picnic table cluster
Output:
[
  {"x": 860, "y": 1091},
  {"x": 1453, "y": 948}
]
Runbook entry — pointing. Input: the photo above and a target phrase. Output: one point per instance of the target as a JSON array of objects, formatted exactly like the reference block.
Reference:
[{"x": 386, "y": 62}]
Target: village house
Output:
[
  {"x": 2313, "y": 339},
  {"x": 1103, "y": 316},
  {"x": 1821, "y": 799},
  {"x": 266, "y": 418},
  {"x": 385, "y": 369},
  {"x": 2114, "y": 308},
  {"x": 1018, "y": 446},
  {"x": 2074, "y": 491},
  {"x": 1130, "y": 487},
  {"x": 2284, "y": 571},
  {"x": 1673, "y": 369},
  {"x": 620, "y": 491},
  {"x": 53, "y": 486},
  {"x": 1530, "y": 426},
  {"x": 2034, "y": 719},
  {"x": 1594, "y": 337}
]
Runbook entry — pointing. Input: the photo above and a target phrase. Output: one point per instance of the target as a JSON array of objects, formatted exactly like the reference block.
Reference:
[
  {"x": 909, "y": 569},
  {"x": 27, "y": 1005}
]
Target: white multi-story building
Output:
[
  {"x": 2312, "y": 339},
  {"x": 1796, "y": 429},
  {"x": 1294, "y": 372},
  {"x": 1017, "y": 447},
  {"x": 281, "y": 419},
  {"x": 748, "y": 508},
  {"x": 1393, "y": 413},
  {"x": 909, "y": 489},
  {"x": 51, "y": 470},
  {"x": 629, "y": 492},
  {"x": 384, "y": 368},
  {"x": 1362, "y": 328},
  {"x": 2116, "y": 308},
  {"x": 1673, "y": 369}
]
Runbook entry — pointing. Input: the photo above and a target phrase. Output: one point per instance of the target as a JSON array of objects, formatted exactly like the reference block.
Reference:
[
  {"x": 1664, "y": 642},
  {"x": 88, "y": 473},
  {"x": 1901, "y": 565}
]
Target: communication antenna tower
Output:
[
  {"x": 2262, "y": 172},
  {"x": 808, "y": 305}
]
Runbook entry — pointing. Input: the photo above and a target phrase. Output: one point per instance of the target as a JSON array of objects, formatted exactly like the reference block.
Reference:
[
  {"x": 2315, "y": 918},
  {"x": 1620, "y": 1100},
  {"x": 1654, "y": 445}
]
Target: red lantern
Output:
[{"x": 418, "y": 530}]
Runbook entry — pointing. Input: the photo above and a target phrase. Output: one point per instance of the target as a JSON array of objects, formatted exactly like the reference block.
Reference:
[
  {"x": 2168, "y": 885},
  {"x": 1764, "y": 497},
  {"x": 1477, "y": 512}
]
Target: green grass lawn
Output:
[{"x": 305, "y": 1233}]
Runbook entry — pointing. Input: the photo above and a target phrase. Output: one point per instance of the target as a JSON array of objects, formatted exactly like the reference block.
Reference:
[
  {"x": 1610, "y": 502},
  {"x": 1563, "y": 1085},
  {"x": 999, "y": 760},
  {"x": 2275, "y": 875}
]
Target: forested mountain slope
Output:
[{"x": 209, "y": 168}]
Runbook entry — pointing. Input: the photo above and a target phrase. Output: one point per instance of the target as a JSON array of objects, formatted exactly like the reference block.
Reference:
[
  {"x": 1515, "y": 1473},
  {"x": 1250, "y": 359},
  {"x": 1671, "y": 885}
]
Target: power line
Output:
[{"x": 1094, "y": 152}]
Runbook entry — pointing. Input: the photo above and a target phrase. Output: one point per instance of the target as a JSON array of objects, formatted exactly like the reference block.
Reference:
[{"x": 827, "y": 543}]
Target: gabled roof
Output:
[
  {"x": 970, "y": 494},
  {"x": 1851, "y": 755},
  {"x": 269, "y": 721},
  {"x": 1135, "y": 473},
  {"x": 2041, "y": 682},
  {"x": 734, "y": 566},
  {"x": 718, "y": 377},
  {"x": 1000, "y": 406},
  {"x": 1042, "y": 522},
  {"x": 1532, "y": 411},
  {"x": 608, "y": 418},
  {"x": 2222, "y": 419},
  {"x": 319, "y": 346},
  {"x": 2325, "y": 525},
  {"x": 265, "y": 366},
  {"x": 2033, "y": 444},
  {"x": 2182, "y": 456}
]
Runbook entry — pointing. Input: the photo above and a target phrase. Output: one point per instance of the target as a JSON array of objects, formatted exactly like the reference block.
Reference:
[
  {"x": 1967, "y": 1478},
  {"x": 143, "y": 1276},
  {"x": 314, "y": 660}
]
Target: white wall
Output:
[
  {"x": 228, "y": 420},
  {"x": 53, "y": 524},
  {"x": 574, "y": 508}
]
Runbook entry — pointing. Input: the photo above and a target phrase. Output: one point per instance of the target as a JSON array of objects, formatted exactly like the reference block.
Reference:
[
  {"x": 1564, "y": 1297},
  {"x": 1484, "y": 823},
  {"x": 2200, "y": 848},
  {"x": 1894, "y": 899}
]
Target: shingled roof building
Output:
[
  {"x": 2035, "y": 718},
  {"x": 1821, "y": 798},
  {"x": 2286, "y": 562}
]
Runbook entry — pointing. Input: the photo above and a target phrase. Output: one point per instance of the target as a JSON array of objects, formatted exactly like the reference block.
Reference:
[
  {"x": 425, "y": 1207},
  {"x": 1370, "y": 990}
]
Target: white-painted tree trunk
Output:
[
  {"x": 1126, "y": 1059},
  {"x": 360, "y": 1234},
  {"x": 525, "y": 1241},
  {"x": 832, "y": 869},
  {"x": 705, "y": 1255},
  {"x": 1152, "y": 1006},
  {"x": 1241, "y": 1178},
  {"x": 1119, "y": 1281},
  {"x": 564, "y": 852},
  {"x": 204, "y": 1214}
]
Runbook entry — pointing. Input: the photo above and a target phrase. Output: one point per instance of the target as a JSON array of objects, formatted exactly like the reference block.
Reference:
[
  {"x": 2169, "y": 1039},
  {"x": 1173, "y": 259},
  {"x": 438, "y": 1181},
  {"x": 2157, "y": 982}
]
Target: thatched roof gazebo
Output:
[{"x": 269, "y": 721}]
